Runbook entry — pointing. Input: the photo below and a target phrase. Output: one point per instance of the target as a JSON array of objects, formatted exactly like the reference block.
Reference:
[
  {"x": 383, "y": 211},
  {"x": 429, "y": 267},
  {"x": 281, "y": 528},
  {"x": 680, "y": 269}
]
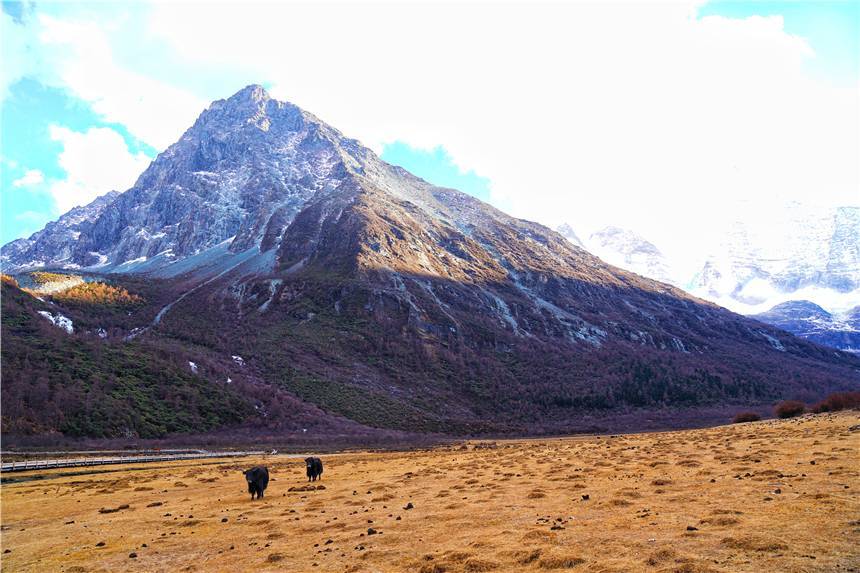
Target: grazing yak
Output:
[
  {"x": 315, "y": 468},
  {"x": 258, "y": 480}
]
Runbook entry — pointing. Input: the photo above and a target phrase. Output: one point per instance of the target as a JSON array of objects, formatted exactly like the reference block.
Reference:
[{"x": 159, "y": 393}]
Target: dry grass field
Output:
[{"x": 766, "y": 496}]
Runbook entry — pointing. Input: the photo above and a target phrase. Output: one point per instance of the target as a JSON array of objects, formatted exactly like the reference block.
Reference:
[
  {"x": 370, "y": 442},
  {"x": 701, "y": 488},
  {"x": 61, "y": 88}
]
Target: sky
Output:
[{"x": 664, "y": 118}]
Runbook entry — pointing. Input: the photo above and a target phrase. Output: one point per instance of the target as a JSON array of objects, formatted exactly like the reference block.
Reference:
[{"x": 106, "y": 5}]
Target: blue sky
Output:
[
  {"x": 832, "y": 28},
  {"x": 91, "y": 92},
  {"x": 28, "y": 112},
  {"x": 438, "y": 167}
]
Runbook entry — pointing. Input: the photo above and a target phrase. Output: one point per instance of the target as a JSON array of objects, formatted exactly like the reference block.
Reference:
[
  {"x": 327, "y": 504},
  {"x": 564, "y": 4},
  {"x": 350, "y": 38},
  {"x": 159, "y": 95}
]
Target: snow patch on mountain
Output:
[
  {"x": 625, "y": 249},
  {"x": 59, "y": 321}
]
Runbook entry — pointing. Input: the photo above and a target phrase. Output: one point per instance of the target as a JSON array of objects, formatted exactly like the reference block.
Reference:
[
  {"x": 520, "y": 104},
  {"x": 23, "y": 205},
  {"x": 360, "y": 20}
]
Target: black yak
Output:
[
  {"x": 258, "y": 480},
  {"x": 315, "y": 468}
]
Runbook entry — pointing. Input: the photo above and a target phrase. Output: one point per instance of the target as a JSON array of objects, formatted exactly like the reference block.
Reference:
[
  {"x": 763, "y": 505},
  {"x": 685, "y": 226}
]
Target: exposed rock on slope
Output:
[{"x": 55, "y": 244}]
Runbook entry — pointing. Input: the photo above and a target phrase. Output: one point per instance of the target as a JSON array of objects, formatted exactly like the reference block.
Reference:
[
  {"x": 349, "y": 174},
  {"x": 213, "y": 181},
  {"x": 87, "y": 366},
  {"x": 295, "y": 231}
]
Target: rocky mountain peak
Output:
[
  {"x": 250, "y": 99},
  {"x": 808, "y": 320},
  {"x": 237, "y": 176},
  {"x": 247, "y": 111},
  {"x": 251, "y": 93}
]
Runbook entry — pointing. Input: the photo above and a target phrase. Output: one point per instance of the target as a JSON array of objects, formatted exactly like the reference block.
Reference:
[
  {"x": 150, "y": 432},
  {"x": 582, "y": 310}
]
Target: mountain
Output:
[
  {"x": 804, "y": 252},
  {"x": 265, "y": 247},
  {"x": 808, "y": 320},
  {"x": 238, "y": 174},
  {"x": 800, "y": 259},
  {"x": 568, "y": 233},
  {"x": 630, "y": 251},
  {"x": 53, "y": 245}
]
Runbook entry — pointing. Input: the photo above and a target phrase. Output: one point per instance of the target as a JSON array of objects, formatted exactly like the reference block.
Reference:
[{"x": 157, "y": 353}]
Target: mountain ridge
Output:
[
  {"x": 745, "y": 279},
  {"x": 811, "y": 322},
  {"x": 364, "y": 291}
]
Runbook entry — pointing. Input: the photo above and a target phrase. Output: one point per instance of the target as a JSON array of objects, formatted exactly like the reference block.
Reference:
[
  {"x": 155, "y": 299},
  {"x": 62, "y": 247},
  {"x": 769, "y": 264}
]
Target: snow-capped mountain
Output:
[
  {"x": 625, "y": 249},
  {"x": 628, "y": 250},
  {"x": 808, "y": 320},
  {"x": 568, "y": 233},
  {"x": 802, "y": 253}
]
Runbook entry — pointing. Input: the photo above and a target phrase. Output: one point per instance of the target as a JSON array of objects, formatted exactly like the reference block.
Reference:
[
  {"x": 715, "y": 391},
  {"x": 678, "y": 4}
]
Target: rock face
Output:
[
  {"x": 808, "y": 320},
  {"x": 239, "y": 174},
  {"x": 354, "y": 285},
  {"x": 54, "y": 245}
]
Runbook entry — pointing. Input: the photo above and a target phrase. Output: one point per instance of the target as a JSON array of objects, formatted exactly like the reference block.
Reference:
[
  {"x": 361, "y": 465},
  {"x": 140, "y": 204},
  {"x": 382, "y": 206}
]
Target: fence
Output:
[{"x": 81, "y": 462}]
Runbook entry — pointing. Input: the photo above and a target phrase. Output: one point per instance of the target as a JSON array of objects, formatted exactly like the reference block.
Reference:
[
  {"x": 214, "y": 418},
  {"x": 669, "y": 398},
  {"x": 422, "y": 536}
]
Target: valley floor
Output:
[{"x": 766, "y": 496}]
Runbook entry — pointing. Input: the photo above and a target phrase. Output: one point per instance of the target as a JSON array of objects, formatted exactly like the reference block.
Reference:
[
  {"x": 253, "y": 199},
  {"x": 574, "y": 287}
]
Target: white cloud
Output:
[
  {"x": 96, "y": 161},
  {"x": 76, "y": 52},
  {"x": 12, "y": 41},
  {"x": 30, "y": 178}
]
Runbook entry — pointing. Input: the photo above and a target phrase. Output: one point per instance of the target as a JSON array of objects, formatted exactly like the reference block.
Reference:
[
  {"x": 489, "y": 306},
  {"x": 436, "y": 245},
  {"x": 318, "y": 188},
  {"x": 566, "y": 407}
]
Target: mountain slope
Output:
[
  {"x": 69, "y": 371},
  {"x": 811, "y": 322},
  {"x": 374, "y": 295},
  {"x": 53, "y": 245},
  {"x": 55, "y": 380}
]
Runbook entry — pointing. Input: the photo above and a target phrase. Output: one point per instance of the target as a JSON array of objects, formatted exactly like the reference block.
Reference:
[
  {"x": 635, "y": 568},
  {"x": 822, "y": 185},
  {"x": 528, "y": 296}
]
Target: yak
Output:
[
  {"x": 258, "y": 480},
  {"x": 315, "y": 468}
]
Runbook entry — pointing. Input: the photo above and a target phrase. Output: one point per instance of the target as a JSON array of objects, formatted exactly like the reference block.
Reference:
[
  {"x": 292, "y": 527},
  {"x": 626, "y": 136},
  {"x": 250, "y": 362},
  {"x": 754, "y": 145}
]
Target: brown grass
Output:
[
  {"x": 560, "y": 562},
  {"x": 196, "y": 516},
  {"x": 754, "y": 543}
]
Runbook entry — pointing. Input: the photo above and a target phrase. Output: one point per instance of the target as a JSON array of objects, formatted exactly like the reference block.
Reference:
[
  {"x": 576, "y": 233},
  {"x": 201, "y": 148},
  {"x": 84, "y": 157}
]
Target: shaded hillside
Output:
[
  {"x": 55, "y": 381},
  {"x": 811, "y": 322},
  {"x": 81, "y": 385}
]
